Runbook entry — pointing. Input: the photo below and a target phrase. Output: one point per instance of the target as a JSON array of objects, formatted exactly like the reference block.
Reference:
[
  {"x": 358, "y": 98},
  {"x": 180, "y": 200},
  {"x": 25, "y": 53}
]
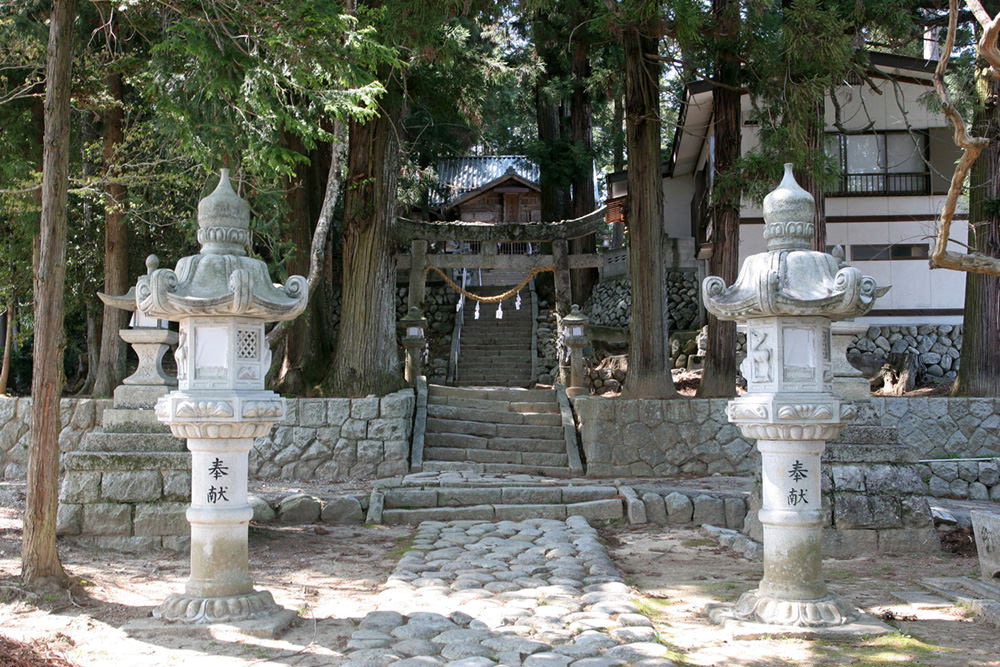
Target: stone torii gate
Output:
[{"x": 419, "y": 233}]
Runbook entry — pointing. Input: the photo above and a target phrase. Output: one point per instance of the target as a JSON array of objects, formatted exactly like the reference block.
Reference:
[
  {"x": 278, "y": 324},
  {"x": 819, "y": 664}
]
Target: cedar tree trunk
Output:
[
  {"x": 582, "y": 281},
  {"x": 304, "y": 349},
  {"x": 111, "y": 360},
  {"x": 40, "y": 566},
  {"x": 719, "y": 376},
  {"x": 366, "y": 360},
  {"x": 979, "y": 372},
  {"x": 648, "y": 372}
]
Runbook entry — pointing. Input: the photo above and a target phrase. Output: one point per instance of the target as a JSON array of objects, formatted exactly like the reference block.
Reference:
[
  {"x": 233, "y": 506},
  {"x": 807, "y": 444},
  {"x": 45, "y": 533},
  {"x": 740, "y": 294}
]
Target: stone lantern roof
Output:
[
  {"x": 790, "y": 278},
  {"x": 221, "y": 279}
]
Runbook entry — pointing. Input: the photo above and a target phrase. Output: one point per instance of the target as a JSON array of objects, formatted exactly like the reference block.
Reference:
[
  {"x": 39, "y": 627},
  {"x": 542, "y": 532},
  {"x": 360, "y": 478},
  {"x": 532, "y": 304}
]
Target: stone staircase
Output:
[
  {"x": 500, "y": 430},
  {"x": 496, "y": 352}
]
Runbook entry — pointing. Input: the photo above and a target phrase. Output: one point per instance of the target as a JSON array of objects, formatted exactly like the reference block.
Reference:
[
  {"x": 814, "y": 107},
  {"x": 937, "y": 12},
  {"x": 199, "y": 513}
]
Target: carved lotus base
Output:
[
  {"x": 828, "y": 611},
  {"x": 190, "y": 609}
]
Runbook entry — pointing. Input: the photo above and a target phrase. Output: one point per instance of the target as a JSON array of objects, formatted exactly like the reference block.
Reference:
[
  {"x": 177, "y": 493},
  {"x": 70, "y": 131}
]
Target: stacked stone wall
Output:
[
  {"x": 622, "y": 437},
  {"x": 77, "y": 416},
  {"x": 874, "y": 501},
  {"x": 940, "y": 427},
  {"x": 337, "y": 439},
  {"x": 439, "y": 310},
  {"x": 127, "y": 500},
  {"x": 936, "y": 348},
  {"x": 332, "y": 439},
  {"x": 610, "y": 304},
  {"x": 547, "y": 343},
  {"x": 966, "y": 478}
]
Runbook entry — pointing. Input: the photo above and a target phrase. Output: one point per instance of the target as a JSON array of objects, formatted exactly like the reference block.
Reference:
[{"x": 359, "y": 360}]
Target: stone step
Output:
[
  {"x": 491, "y": 368},
  {"x": 494, "y": 456},
  {"x": 100, "y": 441},
  {"x": 105, "y": 461},
  {"x": 512, "y": 383},
  {"x": 497, "y": 468},
  {"x": 497, "y": 361},
  {"x": 593, "y": 510},
  {"x": 488, "y": 392},
  {"x": 501, "y": 347},
  {"x": 523, "y": 407},
  {"x": 123, "y": 420},
  {"x": 448, "y": 496},
  {"x": 493, "y": 430},
  {"x": 459, "y": 440},
  {"x": 472, "y": 414}
]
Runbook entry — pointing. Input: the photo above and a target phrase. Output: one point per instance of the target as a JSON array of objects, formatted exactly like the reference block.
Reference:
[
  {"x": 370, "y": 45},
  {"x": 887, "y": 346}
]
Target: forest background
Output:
[{"x": 333, "y": 115}]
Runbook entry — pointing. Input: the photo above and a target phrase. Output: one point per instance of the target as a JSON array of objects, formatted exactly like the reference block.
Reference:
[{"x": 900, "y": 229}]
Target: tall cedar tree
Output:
[
  {"x": 40, "y": 566},
  {"x": 979, "y": 372},
  {"x": 648, "y": 370},
  {"x": 719, "y": 376},
  {"x": 366, "y": 360},
  {"x": 111, "y": 364}
]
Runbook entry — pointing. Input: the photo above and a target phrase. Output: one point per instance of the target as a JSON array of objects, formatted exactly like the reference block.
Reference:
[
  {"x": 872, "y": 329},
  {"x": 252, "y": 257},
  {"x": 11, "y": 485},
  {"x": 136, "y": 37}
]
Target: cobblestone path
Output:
[{"x": 538, "y": 592}]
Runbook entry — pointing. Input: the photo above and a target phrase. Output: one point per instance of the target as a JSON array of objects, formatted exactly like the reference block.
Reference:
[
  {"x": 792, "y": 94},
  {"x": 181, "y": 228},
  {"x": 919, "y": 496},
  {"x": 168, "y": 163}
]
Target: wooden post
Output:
[{"x": 418, "y": 267}]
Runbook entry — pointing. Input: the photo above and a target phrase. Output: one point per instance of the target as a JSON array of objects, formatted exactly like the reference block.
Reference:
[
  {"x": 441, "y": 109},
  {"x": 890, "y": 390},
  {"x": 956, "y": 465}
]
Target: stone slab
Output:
[
  {"x": 986, "y": 527},
  {"x": 126, "y": 420},
  {"x": 271, "y": 627},
  {"x": 865, "y": 626}
]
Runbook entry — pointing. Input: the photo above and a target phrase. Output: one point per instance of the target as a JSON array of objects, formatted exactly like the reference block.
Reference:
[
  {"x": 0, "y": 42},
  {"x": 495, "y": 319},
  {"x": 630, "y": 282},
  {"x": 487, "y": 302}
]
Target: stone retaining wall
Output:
[
  {"x": 623, "y": 437},
  {"x": 77, "y": 416},
  {"x": 964, "y": 478},
  {"x": 336, "y": 439},
  {"x": 332, "y": 439}
]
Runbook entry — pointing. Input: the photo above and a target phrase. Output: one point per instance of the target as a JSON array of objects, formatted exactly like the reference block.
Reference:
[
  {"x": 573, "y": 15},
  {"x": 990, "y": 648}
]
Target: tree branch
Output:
[{"x": 971, "y": 146}]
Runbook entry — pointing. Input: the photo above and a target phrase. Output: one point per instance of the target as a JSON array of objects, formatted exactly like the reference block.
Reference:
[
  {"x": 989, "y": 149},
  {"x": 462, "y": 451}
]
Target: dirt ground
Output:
[{"x": 331, "y": 575}]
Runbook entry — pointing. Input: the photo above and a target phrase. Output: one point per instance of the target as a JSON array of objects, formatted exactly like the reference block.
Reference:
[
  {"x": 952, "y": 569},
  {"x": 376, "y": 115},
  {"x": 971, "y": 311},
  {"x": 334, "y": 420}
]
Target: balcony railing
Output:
[{"x": 902, "y": 183}]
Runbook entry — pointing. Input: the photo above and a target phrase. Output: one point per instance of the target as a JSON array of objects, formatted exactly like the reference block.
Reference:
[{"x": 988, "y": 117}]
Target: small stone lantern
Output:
[
  {"x": 222, "y": 299},
  {"x": 413, "y": 324},
  {"x": 788, "y": 297},
  {"x": 575, "y": 338},
  {"x": 151, "y": 340}
]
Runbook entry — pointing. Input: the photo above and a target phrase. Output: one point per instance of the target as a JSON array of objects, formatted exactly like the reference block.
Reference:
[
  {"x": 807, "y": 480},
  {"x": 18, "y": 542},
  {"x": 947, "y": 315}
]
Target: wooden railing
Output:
[{"x": 902, "y": 183}]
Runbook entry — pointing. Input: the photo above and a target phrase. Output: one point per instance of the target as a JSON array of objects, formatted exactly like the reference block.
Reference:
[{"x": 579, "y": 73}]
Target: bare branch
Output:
[{"x": 971, "y": 148}]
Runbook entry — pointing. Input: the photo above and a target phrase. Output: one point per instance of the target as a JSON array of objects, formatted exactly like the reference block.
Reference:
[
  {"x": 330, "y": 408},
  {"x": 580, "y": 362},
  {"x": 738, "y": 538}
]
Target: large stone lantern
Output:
[
  {"x": 788, "y": 297},
  {"x": 222, "y": 299}
]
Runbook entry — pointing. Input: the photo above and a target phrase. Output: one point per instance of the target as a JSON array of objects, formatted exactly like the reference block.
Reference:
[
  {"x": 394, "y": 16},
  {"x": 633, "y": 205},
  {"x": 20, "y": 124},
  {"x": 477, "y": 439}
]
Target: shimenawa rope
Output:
[{"x": 489, "y": 299}]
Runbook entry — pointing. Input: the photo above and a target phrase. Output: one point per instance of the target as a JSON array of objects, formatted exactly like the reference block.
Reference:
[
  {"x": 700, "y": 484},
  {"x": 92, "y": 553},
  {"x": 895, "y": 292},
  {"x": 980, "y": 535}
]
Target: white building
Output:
[{"x": 896, "y": 157}]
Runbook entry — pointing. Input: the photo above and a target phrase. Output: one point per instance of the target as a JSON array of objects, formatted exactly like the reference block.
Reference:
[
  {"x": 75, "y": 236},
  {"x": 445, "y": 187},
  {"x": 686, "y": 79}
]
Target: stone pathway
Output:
[{"x": 537, "y": 593}]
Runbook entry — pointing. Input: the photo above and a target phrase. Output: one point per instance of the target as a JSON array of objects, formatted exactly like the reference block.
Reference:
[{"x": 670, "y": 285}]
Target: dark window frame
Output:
[
  {"x": 893, "y": 252},
  {"x": 891, "y": 183}
]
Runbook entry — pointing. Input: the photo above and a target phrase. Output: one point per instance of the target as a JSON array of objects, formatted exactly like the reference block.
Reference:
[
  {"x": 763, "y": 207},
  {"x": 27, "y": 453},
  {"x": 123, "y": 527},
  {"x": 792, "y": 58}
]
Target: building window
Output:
[
  {"x": 889, "y": 251},
  {"x": 881, "y": 163}
]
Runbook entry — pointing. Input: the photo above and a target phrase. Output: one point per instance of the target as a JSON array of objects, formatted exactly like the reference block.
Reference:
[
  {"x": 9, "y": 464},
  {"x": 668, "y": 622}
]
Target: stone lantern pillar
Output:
[
  {"x": 788, "y": 297},
  {"x": 222, "y": 299},
  {"x": 575, "y": 338},
  {"x": 414, "y": 324}
]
